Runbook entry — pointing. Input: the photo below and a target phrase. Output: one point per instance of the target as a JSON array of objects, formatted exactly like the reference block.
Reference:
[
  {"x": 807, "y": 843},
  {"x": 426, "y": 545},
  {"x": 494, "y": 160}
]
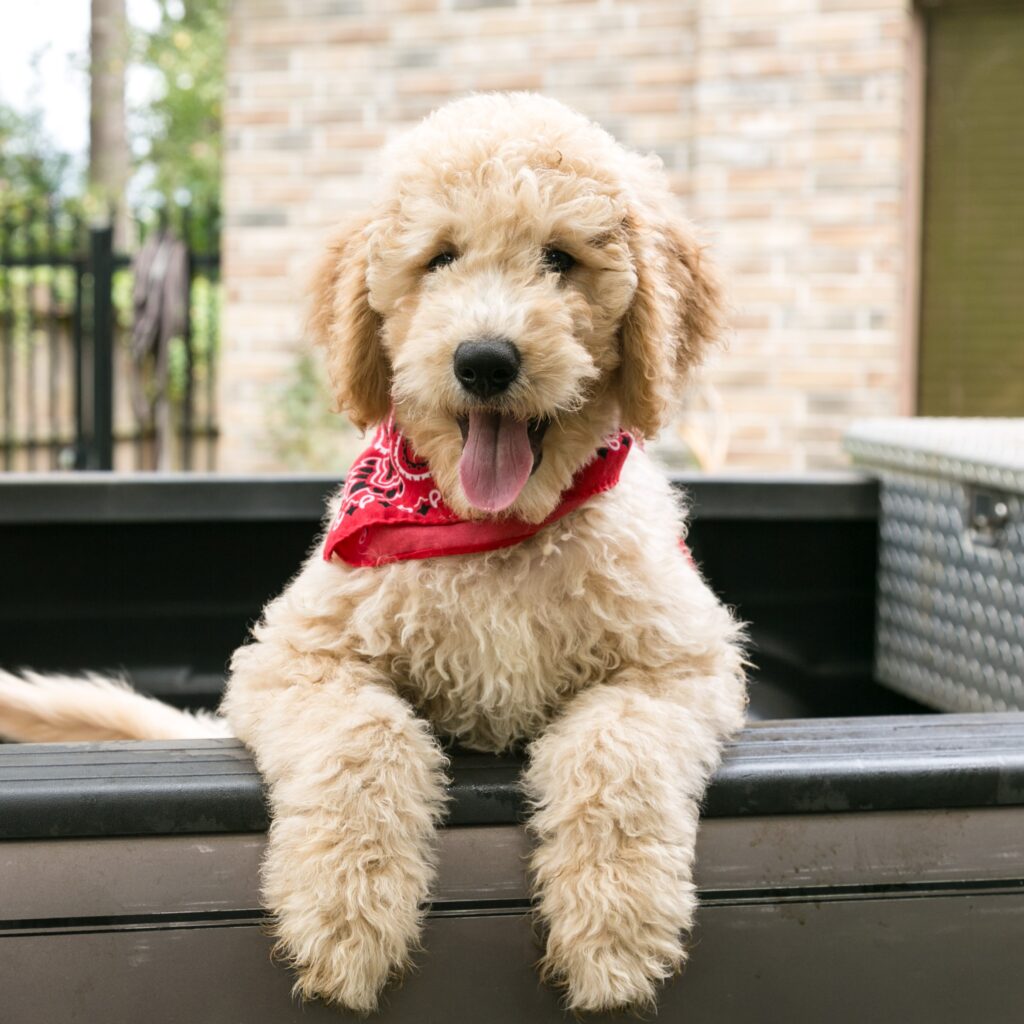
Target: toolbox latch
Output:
[{"x": 989, "y": 513}]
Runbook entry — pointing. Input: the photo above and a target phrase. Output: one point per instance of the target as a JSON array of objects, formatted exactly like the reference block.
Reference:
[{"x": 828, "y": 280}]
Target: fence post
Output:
[
  {"x": 101, "y": 262},
  {"x": 188, "y": 403}
]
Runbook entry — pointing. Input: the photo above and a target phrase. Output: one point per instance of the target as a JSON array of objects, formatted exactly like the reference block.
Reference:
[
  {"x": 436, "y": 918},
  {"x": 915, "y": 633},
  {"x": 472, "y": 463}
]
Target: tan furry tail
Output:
[{"x": 38, "y": 708}]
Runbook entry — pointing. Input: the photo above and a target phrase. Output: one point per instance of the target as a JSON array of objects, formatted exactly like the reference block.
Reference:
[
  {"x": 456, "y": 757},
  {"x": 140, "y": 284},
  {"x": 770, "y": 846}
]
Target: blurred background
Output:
[{"x": 170, "y": 168}]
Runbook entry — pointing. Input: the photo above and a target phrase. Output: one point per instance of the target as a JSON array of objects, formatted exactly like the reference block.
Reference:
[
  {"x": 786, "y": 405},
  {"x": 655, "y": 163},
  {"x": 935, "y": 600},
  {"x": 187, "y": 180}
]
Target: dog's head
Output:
[{"x": 523, "y": 287}]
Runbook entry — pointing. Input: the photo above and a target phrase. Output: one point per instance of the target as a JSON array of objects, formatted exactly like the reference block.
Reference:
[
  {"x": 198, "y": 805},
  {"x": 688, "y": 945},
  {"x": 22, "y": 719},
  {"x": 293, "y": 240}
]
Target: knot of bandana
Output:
[{"x": 391, "y": 509}]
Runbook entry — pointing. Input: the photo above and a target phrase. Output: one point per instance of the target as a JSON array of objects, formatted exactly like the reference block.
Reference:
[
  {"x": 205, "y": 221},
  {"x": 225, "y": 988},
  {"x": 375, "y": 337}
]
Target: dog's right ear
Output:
[
  {"x": 344, "y": 324},
  {"x": 676, "y": 313}
]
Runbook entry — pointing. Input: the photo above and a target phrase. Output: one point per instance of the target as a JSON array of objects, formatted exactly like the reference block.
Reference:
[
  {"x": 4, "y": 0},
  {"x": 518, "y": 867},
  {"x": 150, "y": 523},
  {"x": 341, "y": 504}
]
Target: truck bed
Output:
[{"x": 860, "y": 858}]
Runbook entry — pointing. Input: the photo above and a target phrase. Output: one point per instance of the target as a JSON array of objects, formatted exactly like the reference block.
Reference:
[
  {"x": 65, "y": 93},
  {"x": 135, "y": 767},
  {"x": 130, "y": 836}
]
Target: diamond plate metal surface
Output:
[{"x": 950, "y": 619}]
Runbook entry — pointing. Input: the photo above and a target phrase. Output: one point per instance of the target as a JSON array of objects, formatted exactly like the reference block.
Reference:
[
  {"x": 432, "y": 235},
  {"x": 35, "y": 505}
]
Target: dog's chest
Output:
[{"x": 489, "y": 647}]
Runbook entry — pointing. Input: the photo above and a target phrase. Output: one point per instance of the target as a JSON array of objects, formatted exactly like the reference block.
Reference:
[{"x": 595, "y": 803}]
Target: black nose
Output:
[{"x": 487, "y": 367}]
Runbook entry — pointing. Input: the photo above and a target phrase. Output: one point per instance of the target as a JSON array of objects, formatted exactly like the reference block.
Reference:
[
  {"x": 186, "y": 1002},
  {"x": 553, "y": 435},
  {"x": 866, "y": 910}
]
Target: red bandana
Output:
[{"x": 391, "y": 509}]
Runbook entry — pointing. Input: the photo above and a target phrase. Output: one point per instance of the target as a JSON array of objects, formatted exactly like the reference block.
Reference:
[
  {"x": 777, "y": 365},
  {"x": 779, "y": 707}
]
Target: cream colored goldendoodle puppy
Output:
[{"x": 504, "y": 565}]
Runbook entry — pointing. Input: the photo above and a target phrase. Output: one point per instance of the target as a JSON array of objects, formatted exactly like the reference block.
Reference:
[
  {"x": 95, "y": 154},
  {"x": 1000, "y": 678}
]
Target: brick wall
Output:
[{"x": 782, "y": 123}]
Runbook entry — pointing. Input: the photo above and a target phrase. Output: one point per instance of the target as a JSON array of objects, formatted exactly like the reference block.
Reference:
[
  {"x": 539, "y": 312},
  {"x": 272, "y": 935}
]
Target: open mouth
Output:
[{"x": 499, "y": 454}]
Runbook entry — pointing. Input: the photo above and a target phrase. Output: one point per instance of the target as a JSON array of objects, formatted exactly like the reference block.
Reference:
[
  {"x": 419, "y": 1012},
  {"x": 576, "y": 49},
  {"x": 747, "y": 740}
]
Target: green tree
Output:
[
  {"x": 31, "y": 166},
  {"x": 179, "y": 128},
  {"x": 40, "y": 188}
]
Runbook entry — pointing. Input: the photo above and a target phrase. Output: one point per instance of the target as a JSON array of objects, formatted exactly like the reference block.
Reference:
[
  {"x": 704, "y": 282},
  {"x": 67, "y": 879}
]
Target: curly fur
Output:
[
  {"x": 41, "y": 708},
  {"x": 596, "y": 642}
]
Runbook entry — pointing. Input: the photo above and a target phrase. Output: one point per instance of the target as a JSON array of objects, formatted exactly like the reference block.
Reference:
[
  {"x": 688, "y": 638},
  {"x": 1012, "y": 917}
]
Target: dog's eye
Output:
[
  {"x": 557, "y": 261},
  {"x": 442, "y": 259}
]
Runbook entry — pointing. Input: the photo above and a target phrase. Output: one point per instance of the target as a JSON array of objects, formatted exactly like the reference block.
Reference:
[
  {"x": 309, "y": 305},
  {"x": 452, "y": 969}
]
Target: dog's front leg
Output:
[
  {"x": 356, "y": 786},
  {"x": 616, "y": 782}
]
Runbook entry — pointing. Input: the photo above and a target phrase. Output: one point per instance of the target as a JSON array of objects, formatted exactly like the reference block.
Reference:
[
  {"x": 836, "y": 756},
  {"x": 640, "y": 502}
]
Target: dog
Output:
[{"x": 515, "y": 314}]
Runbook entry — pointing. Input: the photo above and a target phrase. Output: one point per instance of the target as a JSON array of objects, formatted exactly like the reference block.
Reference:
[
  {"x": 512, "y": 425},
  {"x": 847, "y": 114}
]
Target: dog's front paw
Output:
[
  {"x": 612, "y": 935},
  {"x": 346, "y": 965},
  {"x": 345, "y": 918}
]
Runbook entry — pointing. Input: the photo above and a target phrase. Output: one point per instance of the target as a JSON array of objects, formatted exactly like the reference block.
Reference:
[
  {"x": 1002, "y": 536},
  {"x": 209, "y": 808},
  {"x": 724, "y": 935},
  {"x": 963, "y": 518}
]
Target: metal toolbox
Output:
[{"x": 950, "y": 609}]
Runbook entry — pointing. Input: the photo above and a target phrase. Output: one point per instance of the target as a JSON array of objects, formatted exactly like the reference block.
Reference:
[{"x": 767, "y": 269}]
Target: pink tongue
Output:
[{"x": 496, "y": 461}]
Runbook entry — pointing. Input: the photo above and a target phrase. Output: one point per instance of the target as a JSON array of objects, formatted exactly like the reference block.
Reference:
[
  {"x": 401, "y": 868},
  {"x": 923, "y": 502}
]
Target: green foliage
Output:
[
  {"x": 178, "y": 131},
  {"x": 205, "y": 304},
  {"x": 205, "y": 297},
  {"x": 31, "y": 166},
  {"x": 37, "y": 211},
  {"x": 304, "y": 434}
]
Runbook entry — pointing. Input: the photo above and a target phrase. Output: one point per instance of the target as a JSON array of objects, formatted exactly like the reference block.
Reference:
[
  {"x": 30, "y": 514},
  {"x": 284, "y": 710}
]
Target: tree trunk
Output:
[{"x": 109, "y": 165}]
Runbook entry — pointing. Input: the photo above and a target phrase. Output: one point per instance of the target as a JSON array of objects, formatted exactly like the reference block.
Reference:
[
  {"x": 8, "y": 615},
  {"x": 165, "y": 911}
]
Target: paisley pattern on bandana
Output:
[
  {"x": 389, "y": 473},
  {"x": 391, "y": 509}
]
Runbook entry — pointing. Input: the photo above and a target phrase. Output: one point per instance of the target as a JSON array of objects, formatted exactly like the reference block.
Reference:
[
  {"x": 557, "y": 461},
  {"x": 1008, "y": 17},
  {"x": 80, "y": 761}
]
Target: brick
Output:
[
  {"x": 416, "y": 6},
  {"x": 521, "y": 23},
  {"x": 765, "y": 459},
  {"x": 781, "y": 122},
  {"x": 556, "y": 48},
  {"x": 837, "y": 29},
  {"x": 647, "y": 101},
  {"x": 299, "y": 31},
  {"x": 415, "y": 56},
  {"x": 434, "y": 82},
  {"x": 678, "y": 15},
  {"x": 473, "y": 5},
  {"x": 353, "y": 138},
  {"x": 664, "y": 73},
  {"x": 257, "y": 218},
  {"x": 509, "y": 81}
]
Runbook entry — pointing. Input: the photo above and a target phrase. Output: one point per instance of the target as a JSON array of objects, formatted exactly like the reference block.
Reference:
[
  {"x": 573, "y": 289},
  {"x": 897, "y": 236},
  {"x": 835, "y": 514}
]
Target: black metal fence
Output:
[{"x": 82, "y": 384}]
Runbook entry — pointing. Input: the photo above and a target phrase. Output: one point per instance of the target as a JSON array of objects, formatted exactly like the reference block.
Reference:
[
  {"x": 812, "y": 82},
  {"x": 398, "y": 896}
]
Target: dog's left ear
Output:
[
  {"x": 675, "y": 314},
  {"x": 344, "y": 324}
]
